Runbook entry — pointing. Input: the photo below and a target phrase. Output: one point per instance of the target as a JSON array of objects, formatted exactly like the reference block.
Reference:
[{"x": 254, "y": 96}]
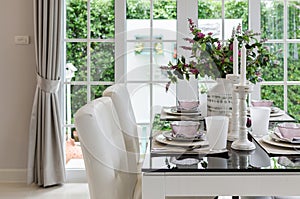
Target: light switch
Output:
[{"x": 22, "y": 40}]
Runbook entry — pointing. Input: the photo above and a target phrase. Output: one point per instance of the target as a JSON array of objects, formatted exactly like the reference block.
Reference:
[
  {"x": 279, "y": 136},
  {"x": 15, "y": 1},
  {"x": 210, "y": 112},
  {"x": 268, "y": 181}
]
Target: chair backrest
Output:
[
  {"x": 108, "y": 171},
  {"x": 121, "y": 100}
]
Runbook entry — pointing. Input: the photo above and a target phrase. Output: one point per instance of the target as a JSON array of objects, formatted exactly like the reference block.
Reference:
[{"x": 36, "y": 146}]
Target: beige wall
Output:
[{"x": 17, "y": 83}]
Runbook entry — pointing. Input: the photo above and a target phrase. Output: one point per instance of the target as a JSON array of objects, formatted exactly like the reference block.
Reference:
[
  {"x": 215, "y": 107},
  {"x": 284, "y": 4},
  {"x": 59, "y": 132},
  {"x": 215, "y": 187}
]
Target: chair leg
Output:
[{"x": 235, "y": 197}]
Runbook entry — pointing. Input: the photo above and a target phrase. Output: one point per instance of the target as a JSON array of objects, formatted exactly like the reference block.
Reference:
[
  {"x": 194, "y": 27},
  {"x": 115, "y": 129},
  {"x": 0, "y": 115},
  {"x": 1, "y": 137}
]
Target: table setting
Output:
[
  {"x": 187, "y": 135},
  {"x": 283, "y": 139}
]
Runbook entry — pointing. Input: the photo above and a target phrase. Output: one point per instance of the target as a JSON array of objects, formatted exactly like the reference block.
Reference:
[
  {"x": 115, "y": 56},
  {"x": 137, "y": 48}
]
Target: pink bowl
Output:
[
  {"x": 188, "y": 129},
  {"x": 264, "y": 103},
  {"x": 289, "y": 130},
  {"x": 188, "y": 105}
]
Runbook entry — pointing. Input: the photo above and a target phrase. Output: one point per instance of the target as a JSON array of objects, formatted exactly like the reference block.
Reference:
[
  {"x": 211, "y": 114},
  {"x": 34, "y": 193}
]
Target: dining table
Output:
[{"x": 174, "y": 168}]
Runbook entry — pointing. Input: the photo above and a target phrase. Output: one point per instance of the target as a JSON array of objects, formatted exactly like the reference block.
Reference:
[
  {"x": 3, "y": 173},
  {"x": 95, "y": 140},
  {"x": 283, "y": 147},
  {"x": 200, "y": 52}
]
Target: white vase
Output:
[{"x": 219, "y": 98}]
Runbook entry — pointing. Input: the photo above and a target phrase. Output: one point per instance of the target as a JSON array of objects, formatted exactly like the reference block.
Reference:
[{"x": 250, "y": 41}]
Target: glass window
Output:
[{"x": 272, "y": 21}]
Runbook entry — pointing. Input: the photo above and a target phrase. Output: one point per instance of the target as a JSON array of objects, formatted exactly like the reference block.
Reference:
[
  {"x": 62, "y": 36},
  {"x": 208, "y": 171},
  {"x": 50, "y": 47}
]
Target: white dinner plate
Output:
[
  {"x": 199, "y": 137},
  {"x": 267, "y": 139},
  {"x": 162, "y": 139},
  {"x": 173, "y": 111}
]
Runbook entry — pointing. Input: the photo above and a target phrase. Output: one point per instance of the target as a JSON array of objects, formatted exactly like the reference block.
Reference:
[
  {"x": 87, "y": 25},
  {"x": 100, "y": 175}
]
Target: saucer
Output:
[
  {"x": 200, "y": 137},
  {"x": 174, "y": 111}
]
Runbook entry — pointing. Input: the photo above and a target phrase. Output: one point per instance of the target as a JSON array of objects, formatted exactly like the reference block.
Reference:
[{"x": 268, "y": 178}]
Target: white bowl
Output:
[
  {"x": 188, "y": 129},
  {"x": 289, "y": 130}
]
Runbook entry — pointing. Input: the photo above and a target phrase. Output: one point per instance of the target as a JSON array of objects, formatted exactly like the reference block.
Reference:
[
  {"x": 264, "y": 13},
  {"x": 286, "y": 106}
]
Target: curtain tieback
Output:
[{"x": 49, "y": 86}]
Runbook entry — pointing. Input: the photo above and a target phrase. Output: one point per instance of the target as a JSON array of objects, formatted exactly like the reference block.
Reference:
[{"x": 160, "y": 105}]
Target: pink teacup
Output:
[{"x": 188, "y": 129}]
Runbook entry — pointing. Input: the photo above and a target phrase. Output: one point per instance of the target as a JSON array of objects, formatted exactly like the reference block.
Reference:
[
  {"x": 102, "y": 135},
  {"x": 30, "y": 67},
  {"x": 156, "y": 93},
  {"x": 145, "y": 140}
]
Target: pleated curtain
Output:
[{"x": 45, "y": 155}]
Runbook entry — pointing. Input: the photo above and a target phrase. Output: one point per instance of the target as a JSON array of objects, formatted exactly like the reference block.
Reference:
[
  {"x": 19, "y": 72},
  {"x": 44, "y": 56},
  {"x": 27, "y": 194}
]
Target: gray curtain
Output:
[{"x": 45, "y": 156}]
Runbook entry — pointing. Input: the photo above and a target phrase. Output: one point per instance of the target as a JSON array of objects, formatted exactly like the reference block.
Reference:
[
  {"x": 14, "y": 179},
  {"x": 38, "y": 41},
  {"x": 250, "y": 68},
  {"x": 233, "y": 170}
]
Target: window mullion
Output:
[
  {"x": 285, "y": 54},
  {"x": 88, "y": 50}
]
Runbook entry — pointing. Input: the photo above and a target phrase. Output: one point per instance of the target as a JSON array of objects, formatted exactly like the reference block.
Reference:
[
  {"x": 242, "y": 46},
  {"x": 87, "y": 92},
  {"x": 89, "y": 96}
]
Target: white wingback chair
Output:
[
  {"x": 108, "y": 170},
  {"x": 121, "y": 100}
]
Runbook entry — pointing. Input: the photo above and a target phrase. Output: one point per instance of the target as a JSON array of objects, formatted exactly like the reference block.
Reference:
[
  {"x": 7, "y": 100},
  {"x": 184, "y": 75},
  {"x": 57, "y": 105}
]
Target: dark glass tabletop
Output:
[{"x": 230, "y": 160}]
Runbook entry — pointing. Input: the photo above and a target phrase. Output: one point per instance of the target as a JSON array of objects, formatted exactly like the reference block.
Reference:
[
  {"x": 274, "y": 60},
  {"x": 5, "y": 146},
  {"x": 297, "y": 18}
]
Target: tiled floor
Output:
[
  {"x": 23, "y": 191},
  {"x": 66, "y": 191}
]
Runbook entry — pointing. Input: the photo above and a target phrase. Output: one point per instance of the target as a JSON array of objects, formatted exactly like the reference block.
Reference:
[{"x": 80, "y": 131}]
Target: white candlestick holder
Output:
[
  {"x": 242, "y": 143},
  {"x": 233, "y": 133}
]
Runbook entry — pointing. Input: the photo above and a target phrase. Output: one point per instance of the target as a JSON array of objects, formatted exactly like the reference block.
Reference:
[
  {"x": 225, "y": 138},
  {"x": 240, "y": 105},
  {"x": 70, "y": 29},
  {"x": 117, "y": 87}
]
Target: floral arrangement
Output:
[{"x": 210, "y": 56}]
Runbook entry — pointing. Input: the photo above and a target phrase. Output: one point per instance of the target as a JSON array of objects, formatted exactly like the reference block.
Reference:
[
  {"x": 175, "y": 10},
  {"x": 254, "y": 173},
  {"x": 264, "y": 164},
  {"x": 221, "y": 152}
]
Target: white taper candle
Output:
[
  {"x": 235, "y": 56},
  {"x": 243, "y": 65}
]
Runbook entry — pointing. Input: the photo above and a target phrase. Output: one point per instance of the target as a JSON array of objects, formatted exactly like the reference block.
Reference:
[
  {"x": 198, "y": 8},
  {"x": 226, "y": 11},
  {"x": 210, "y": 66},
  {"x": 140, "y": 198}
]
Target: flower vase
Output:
[{"x": 219, "y": 98}]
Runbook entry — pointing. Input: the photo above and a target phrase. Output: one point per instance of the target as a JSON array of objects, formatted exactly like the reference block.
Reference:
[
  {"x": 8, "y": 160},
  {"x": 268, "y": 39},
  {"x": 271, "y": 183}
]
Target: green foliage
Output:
[
  {"x": 209, "y": 9},
  {"x": 160, "y": 125}
]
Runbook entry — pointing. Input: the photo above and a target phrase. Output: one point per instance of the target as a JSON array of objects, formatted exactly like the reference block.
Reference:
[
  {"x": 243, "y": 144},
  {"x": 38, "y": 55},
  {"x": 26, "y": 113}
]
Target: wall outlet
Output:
[{"x": 21, "y": 40}]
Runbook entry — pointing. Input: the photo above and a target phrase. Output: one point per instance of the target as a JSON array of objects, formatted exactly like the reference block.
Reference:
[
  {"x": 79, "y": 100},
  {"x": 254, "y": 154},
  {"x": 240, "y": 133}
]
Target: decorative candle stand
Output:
[
  {"x": 234, "y": 123},
  {"x": 242, "y": 143}
]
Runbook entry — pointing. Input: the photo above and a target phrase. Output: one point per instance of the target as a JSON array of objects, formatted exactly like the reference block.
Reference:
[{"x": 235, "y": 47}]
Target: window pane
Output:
[
  {"x": 78, "y": 98},
  {"x": 293, "y": 20},
  {"x": 164, "y": 9},
  {"x": 236, "y": 10},
  {"x": 140, "y": 99},
  {"x": 274, "y": 93},
  {"x": 102, "y": 62},
  {"x": 210, "y": 15},
  {"x": 293, "y": 62},
  {"x": 76, "y": 19},
  {"x": 77, "y": 55},
  {"x": 209, "y": 9},
  {"x": 294, "y": 101},
  {"x": 138, "y": 61},
  {"x": 274, "y": 72},
  {"x": 162, "y": 98},
  {"x": 97, "y": 90},
  {"x": 102, "y": 19},
  {"x": 138, "y": 9},
  {"x": 163, "y": 53},
  {"x": 272, "y": 19}
]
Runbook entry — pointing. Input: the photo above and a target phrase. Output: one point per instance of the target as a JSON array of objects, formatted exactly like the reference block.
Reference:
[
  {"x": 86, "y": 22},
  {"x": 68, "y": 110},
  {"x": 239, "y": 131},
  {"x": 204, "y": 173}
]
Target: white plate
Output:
[
  {"x": 162, "y": 139},
  {"x": 169, "y": 136},
  {"x": 173, "y": 111},
  {"x": 276, "y": 114},
  {"x": 267, "y": 139}
]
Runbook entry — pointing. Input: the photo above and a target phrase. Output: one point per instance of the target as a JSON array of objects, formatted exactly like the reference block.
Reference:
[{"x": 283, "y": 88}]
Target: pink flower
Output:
[
  {"x": 219, "y": 46},
  {"x": 194, "y": 71},
  {"x": 231, "y": 58},
  {"x": 210, "y": 33},
  {"x": 200, "y": 35},
  {"x": 231, "y": 47}
]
